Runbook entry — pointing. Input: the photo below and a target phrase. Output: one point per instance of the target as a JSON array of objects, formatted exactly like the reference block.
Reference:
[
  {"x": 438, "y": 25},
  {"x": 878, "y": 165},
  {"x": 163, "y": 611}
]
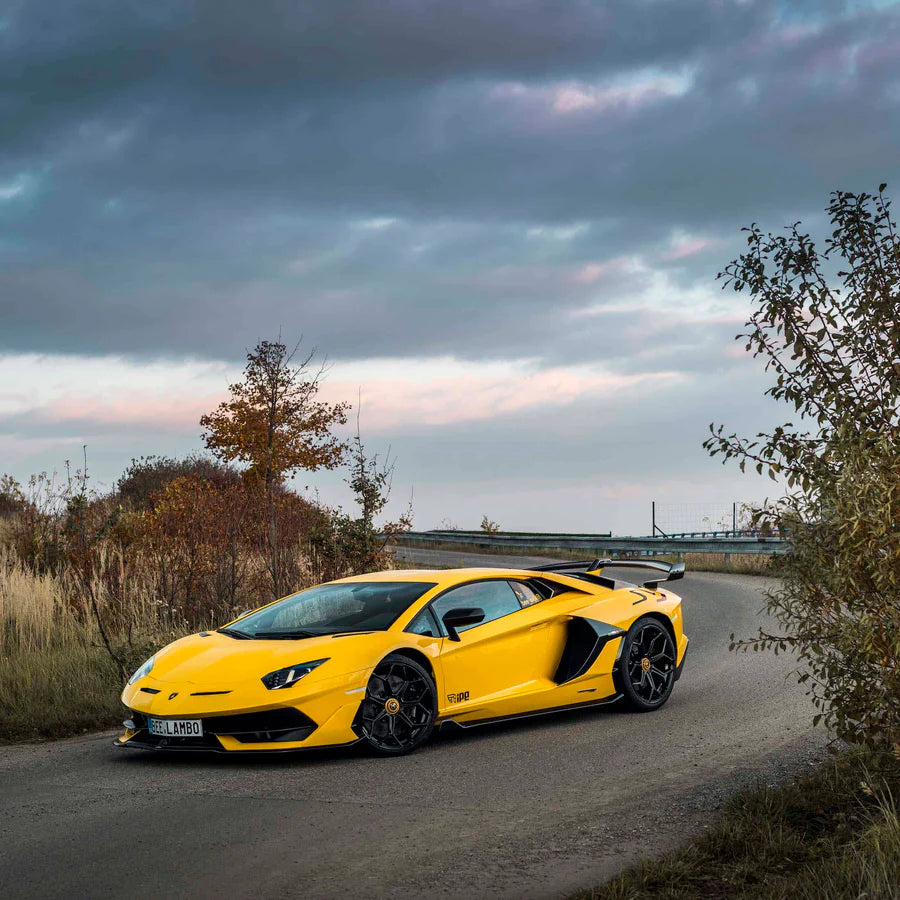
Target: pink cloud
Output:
[
  {"x": 797, "y": 32},
  {"x": 829, "y": 58},
  {"x": 388, "y": 402},
  {"x": 591, "y": 272},
  {"x": 176, "y": 414},
  {"x": 686, "y": 247},
  {"x": 574, "y": 97},
  {"x": 391, "y": 404},
  {"x": 736, "y": 351},
  {"x": 569, "y": 98},
  {"x": 878, "y": 53}
]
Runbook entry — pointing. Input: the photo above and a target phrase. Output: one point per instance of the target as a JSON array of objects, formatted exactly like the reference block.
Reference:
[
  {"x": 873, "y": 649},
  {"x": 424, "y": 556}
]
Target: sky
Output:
[{"x": 500, "y": 221}]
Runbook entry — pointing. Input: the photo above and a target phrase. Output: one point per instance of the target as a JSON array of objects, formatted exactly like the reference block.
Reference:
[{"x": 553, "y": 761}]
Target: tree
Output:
[
  {"x": 832, "y": 338},
  {"x": 348, "y": 545},
  {"x": 827, "y": 325},
  {"x": 275, "y": 424}
]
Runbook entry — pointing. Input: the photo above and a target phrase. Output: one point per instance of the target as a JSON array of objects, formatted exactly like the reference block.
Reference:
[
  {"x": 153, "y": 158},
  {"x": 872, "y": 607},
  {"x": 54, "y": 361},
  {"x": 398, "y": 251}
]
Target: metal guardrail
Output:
[{"x": 596, "y": 544}]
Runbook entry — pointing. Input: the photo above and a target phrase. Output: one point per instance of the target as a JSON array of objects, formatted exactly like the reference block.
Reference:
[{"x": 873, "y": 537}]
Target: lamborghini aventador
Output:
[{"x": 384, "y": 658}]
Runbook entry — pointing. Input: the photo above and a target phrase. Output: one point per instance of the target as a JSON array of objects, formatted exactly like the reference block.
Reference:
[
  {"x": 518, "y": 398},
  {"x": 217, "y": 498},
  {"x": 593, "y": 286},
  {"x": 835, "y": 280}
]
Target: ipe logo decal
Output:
[{"x": 458, "y": 698}]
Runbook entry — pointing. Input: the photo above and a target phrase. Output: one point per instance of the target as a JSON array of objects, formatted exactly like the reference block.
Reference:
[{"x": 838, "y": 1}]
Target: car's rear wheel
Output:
[
  {"x": 400, "y": 707},
  {"x": 647, "y": 665}
]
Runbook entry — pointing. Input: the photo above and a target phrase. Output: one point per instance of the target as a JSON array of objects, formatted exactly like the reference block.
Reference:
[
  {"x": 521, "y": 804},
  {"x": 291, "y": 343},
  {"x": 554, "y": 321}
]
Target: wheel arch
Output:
[
  {"x": 416, "y": 656},
  {"x": 662, "y": 617}
]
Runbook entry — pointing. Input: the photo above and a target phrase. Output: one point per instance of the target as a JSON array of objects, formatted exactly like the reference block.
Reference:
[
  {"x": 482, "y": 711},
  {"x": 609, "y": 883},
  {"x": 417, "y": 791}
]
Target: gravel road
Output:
[{"x": 530, "y": 809}]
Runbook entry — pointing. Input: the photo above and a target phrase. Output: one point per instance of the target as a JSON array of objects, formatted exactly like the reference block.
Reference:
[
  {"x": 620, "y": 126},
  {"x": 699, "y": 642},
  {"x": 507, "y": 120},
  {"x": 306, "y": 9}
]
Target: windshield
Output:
[{"x": 332, "y": 608}]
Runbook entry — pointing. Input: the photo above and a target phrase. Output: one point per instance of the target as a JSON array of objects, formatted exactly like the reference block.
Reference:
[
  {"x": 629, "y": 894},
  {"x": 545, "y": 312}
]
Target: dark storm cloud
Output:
[
  {"x": 94, "y": 49},
  {"x": 182, "y": 178}
]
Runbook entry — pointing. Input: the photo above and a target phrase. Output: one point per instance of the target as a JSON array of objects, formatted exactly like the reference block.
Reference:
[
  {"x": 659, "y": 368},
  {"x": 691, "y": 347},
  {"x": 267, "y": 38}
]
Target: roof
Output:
[{"x": 445, "y": 576}]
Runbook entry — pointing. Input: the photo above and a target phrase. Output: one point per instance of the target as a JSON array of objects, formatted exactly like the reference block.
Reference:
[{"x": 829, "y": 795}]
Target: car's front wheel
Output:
[
  {"x": 400, "y": 707},
  {"x": 647, "y": 665}
]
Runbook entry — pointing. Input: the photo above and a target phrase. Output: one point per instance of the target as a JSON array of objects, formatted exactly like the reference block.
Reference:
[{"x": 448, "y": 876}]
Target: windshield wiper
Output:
[
  {"x": 287, "y": 634},
  {"x": 233, "y": 632}
]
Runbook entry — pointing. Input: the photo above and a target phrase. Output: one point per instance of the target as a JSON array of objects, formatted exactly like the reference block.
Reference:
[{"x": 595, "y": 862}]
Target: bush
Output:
[
  {"x": 837, "y": 601},
  {"x": 11, "y": 497},
  {"x": 149, "y": 476},
  {"x": 826, "y": 325}
]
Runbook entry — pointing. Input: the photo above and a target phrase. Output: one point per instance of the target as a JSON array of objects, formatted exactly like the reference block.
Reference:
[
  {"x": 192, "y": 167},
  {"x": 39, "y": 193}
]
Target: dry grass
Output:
[
  {"x": 738, "y": 563},
  {"x": 56, "y": 676},
  {"x": 59, "y": 691},
  {"x": 33, "y": 615}
]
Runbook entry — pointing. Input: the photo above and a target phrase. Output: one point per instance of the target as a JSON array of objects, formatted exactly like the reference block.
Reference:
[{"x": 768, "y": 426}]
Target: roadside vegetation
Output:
[
  {"x": 831, "y": 835},
  {"x": 91, "y": 584},
  {"x": 825, "y": 323}
]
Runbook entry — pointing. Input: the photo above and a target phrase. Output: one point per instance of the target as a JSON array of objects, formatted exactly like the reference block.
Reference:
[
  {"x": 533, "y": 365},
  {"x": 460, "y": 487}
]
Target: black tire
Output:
[
  {"x": 400, "y": 707},
  {"x": 647, "y": 665}
]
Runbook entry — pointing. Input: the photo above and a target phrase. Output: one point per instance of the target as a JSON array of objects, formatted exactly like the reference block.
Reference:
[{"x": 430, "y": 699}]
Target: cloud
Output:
[
  {"x": 468, "y": 438},
  {"x": 495, "y": 215},
  {"x": 686, "y": 246},
  {"x": 450, "y": 399},
  {"x": 547, "y": 103},
  {"x": 387, "y": 191},
  {"x": 65, "y": 392}
]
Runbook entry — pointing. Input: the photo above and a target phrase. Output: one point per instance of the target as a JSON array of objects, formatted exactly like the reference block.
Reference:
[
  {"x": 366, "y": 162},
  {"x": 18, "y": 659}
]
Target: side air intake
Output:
[{"x": 584, "y": 641}]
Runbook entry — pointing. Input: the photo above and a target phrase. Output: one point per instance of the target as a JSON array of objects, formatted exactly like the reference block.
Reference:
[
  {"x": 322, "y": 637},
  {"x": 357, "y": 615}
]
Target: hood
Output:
[{"x": 212, "y": 658}]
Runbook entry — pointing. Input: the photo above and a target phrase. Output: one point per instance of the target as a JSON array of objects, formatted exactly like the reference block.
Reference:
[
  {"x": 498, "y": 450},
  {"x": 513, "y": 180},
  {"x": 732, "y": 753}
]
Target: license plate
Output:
[{"x": 176, "y": 727}]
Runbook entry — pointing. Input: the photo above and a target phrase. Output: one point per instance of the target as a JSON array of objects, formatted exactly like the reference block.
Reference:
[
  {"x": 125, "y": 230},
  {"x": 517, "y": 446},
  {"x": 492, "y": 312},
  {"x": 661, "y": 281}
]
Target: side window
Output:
[
  {"x": 525, "y": 594},
  {"x": 496, "y": 598},
  {"x": 422, "y": 624}
]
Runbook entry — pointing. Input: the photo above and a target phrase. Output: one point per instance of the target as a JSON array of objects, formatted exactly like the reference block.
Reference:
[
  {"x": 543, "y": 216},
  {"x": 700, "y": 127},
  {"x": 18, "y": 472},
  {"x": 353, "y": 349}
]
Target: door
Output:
[{"x": 493, "y": 660}]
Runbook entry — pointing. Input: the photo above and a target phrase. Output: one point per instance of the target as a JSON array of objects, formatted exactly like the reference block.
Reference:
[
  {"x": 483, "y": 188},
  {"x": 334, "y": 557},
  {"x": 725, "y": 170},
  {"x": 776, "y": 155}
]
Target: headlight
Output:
[
  {"x": 143, "y": 670},
  {"x": 290, "y": 675}
]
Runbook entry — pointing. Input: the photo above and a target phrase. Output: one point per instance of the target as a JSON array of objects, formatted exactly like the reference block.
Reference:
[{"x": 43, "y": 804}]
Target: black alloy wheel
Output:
[
  {"x": 647, "y": 665},
  {"x": 400, "y": 707}
]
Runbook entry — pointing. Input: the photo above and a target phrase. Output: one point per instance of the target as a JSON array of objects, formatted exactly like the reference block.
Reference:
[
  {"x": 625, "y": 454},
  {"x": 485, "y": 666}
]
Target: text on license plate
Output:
[{"x": 176, "y": 727}]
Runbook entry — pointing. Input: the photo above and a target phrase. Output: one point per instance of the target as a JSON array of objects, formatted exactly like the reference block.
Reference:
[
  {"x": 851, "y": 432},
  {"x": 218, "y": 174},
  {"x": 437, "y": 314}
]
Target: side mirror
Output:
[{"x": 458, "y": 618}]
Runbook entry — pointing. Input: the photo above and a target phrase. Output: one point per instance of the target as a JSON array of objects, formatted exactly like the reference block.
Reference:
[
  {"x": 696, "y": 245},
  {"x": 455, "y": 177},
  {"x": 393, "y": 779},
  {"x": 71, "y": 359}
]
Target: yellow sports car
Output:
[{"x": 384, "y": 658}]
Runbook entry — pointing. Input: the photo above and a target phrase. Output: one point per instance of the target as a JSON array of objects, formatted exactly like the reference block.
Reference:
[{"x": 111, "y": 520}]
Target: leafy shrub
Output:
[
  {"x": 837, "y": 602},
  {"x": 489, "y": 527},
  {"x": 148, "y": 476},
  {"x": 826, "y": 325}
]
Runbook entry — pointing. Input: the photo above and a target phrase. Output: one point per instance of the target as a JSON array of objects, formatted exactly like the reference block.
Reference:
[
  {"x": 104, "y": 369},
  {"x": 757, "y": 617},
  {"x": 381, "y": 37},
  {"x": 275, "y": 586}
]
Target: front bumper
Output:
[
  {"x": 244, "y": 716},
  {"x": 282, "y": 726}
]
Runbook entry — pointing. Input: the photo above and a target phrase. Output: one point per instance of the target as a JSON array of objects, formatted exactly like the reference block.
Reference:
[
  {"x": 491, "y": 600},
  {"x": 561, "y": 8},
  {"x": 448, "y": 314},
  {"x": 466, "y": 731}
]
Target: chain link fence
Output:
[{"x": 685, "y": 519}]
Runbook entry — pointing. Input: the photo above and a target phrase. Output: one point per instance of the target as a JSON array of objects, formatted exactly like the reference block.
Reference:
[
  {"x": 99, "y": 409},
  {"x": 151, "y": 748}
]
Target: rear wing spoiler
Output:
[{"x": 592, "y": 567}]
